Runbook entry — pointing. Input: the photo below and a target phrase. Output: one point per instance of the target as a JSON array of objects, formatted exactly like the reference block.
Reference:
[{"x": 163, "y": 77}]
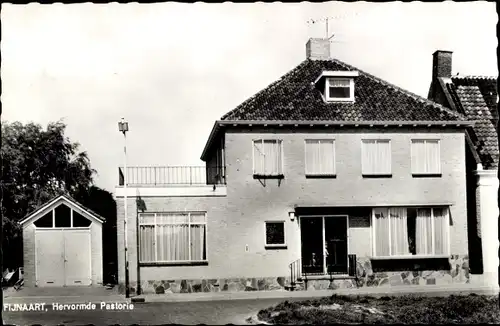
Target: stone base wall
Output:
[
  {"x": 209, "y": 285},
  {"x": 457, "y": 274}
]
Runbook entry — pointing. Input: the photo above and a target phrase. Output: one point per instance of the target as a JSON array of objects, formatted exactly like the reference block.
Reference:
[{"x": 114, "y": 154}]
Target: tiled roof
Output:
[
  {"x": 295, "y": 97},
  {"x": 477, "y": 97}
]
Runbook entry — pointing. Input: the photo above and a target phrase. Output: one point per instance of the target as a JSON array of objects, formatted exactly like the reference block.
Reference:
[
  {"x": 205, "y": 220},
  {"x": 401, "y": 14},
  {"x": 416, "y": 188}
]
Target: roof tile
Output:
[
  {"x": 294, "y": 97},
  {"x": 477, "y": 97}
]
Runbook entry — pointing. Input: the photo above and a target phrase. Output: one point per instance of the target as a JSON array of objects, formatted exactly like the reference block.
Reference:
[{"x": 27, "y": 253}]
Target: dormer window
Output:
[
  {"x": 339, "y": 89},
  {"x": 336, "y": 86}
]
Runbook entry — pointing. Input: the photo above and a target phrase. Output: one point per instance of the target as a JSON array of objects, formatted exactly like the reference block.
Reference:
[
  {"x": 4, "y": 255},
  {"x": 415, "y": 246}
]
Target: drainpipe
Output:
[{"x": 137, "y": 250}]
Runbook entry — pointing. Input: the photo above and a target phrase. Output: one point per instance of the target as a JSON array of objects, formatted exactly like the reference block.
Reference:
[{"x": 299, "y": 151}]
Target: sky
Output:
[{"x": 172, "y": 69}]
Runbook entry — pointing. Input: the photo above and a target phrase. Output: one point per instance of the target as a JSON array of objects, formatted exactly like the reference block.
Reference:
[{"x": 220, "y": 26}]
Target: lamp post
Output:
[{"x": 123, "y": 128}]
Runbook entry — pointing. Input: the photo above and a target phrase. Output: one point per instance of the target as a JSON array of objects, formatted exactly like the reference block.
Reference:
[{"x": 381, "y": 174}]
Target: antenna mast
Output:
[
  {"x": 326, "y": 27},
  {"x": 327, "y": 30}
]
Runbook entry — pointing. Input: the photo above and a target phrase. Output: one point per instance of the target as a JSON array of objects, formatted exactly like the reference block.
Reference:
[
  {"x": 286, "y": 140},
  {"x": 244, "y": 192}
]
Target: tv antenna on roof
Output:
[
  {"x": 327, "y": 31},
  {"x": 326, "y": 19}
]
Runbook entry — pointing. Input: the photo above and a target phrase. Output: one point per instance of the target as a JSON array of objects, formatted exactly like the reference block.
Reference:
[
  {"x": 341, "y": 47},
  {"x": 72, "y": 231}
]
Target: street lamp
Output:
[{"x": 123, "y": 128}]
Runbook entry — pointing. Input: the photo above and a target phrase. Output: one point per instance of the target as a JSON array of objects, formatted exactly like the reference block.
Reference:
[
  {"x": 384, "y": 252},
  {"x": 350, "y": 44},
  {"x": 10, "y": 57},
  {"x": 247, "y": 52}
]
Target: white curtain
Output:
[
  {"x": 313, "y": 157},
  {"x": 339, "y": 82},
  {"x": 381, "y": 225},
  {"x": 423, "y": 232},
  {"x": 425, "y": 156},
  {"x": 327, "y": 149},
  {"x": 433, "y": 156},
  {"x": 258, "y": 157},
  {"x": 418, "y": 156},
  {"x": 198, "y": 242},
  {"x": 441, "y": 222},
  {"x": 147, "y": 243},
  {"x": 399, "y": 231},
  {"x": 272, "y": 152},
  {"x": 267, "y": 157},
  {"x": 376, "y": 157},
  {"x": 172, "y": 233},
  {"x": 172, "y": 237},
  {"x": 320, "y": 157},
  {"x": 173, "y": 240},
  {"x": 146, "y": 238}
]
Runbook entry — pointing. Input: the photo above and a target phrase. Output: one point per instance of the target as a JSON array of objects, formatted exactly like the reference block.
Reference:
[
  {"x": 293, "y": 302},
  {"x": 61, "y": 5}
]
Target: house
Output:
[
  {"x": 62, "y": 245},
  {"x": 475, "y": 97},
  {"x": 330, "y": 177}
]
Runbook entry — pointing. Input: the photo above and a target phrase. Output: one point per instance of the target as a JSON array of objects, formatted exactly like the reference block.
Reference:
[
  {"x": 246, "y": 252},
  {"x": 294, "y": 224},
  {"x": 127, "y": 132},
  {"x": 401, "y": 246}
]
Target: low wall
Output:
[{"x": 458, "y": 273}]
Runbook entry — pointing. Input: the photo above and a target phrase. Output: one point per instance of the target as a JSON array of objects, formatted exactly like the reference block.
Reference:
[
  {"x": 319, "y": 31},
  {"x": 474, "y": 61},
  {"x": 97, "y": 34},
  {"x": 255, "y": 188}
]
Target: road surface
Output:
[{"x": 186, "y": 313}]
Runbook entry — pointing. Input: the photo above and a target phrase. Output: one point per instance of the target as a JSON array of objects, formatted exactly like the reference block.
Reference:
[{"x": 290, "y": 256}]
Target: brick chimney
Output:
[
  {"x": 441, "y": 64},
  {"x": 441, "y": 68},
  {"x": 318, "y": 49}
]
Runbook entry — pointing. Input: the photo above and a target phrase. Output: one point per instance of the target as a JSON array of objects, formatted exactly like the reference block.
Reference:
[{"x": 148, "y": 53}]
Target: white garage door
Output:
[{"x": 63, "y": 257}]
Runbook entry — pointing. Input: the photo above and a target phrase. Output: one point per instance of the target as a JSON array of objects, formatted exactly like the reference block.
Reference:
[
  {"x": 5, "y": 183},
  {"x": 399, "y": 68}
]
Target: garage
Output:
[{"x": 62, "y": 244}]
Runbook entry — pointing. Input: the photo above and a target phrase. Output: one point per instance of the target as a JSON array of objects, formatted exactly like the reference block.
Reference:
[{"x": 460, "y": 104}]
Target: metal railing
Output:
[
  {"x": 299, "y": 272},
  {"x": 295, "y": 273},
  {"x": 172, "y": 175},
  {"x": 351, "y": 266}
]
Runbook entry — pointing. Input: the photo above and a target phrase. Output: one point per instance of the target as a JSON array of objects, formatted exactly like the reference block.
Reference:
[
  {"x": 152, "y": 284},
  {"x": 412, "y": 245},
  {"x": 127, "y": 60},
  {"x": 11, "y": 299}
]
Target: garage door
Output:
[{"x": 63, "y": 257}]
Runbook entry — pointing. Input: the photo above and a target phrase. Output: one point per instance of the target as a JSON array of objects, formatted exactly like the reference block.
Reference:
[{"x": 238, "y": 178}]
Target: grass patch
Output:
[{"x": 410, "y": 309}]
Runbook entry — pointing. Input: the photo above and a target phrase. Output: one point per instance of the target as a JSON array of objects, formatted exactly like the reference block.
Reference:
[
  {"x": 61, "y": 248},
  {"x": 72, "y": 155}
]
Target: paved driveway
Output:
[{"x": 186, "y": 313}]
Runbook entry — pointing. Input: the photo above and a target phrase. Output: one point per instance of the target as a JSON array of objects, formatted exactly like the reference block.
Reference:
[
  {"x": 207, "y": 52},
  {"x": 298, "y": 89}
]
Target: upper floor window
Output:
[
  {"x": 268, "y": 157},
  {"x": 425, "y": 157},
  {"x": 376, "y": 157},
  {"x": 320, "y": 157},
  {"x": 339, "y": 89}
]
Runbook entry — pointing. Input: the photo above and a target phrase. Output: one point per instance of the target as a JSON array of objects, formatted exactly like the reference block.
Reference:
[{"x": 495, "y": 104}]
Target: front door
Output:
[
  {"x": 324, "y": 244},
  {"x": 311, "y": 230},
  {"x": 336, "y": 244}
]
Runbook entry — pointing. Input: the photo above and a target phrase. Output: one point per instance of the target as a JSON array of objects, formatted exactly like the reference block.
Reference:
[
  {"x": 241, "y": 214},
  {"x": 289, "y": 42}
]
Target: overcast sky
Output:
[{"x": 173, "y": 69}]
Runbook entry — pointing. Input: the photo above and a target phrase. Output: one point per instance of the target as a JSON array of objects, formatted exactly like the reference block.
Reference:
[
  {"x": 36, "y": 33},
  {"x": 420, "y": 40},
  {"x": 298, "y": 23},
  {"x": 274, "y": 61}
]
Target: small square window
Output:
[
  {"x": 275, "y": 234},
  {"x": 339, "y": 89}
]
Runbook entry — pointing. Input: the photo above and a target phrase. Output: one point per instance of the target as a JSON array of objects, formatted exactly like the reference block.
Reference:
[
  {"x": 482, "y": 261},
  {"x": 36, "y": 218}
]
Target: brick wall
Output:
[
  {"x": 236, "y": 223},
  {"x": 29, "y": 256},
  {"x": 274, "y": 198},
  {"x": 317, "y": 48},
  {"x": 441, "y": 64},
  {"x": 96, "y": 251}
]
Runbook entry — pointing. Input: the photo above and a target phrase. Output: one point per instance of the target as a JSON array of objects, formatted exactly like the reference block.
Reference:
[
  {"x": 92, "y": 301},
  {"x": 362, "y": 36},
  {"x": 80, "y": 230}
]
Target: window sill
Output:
[
  {"x": 426, "y": 175},
  {"x": 321, "y": 176},
  {"x": 377, "y": 176},
  {"x": 267, "y": 176},
  {"x": 410, "y": 257},
  {"x": 276, "y": 247},
  {"x": 339, "y": 99},
  {"x": 174, "y": 263}
]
